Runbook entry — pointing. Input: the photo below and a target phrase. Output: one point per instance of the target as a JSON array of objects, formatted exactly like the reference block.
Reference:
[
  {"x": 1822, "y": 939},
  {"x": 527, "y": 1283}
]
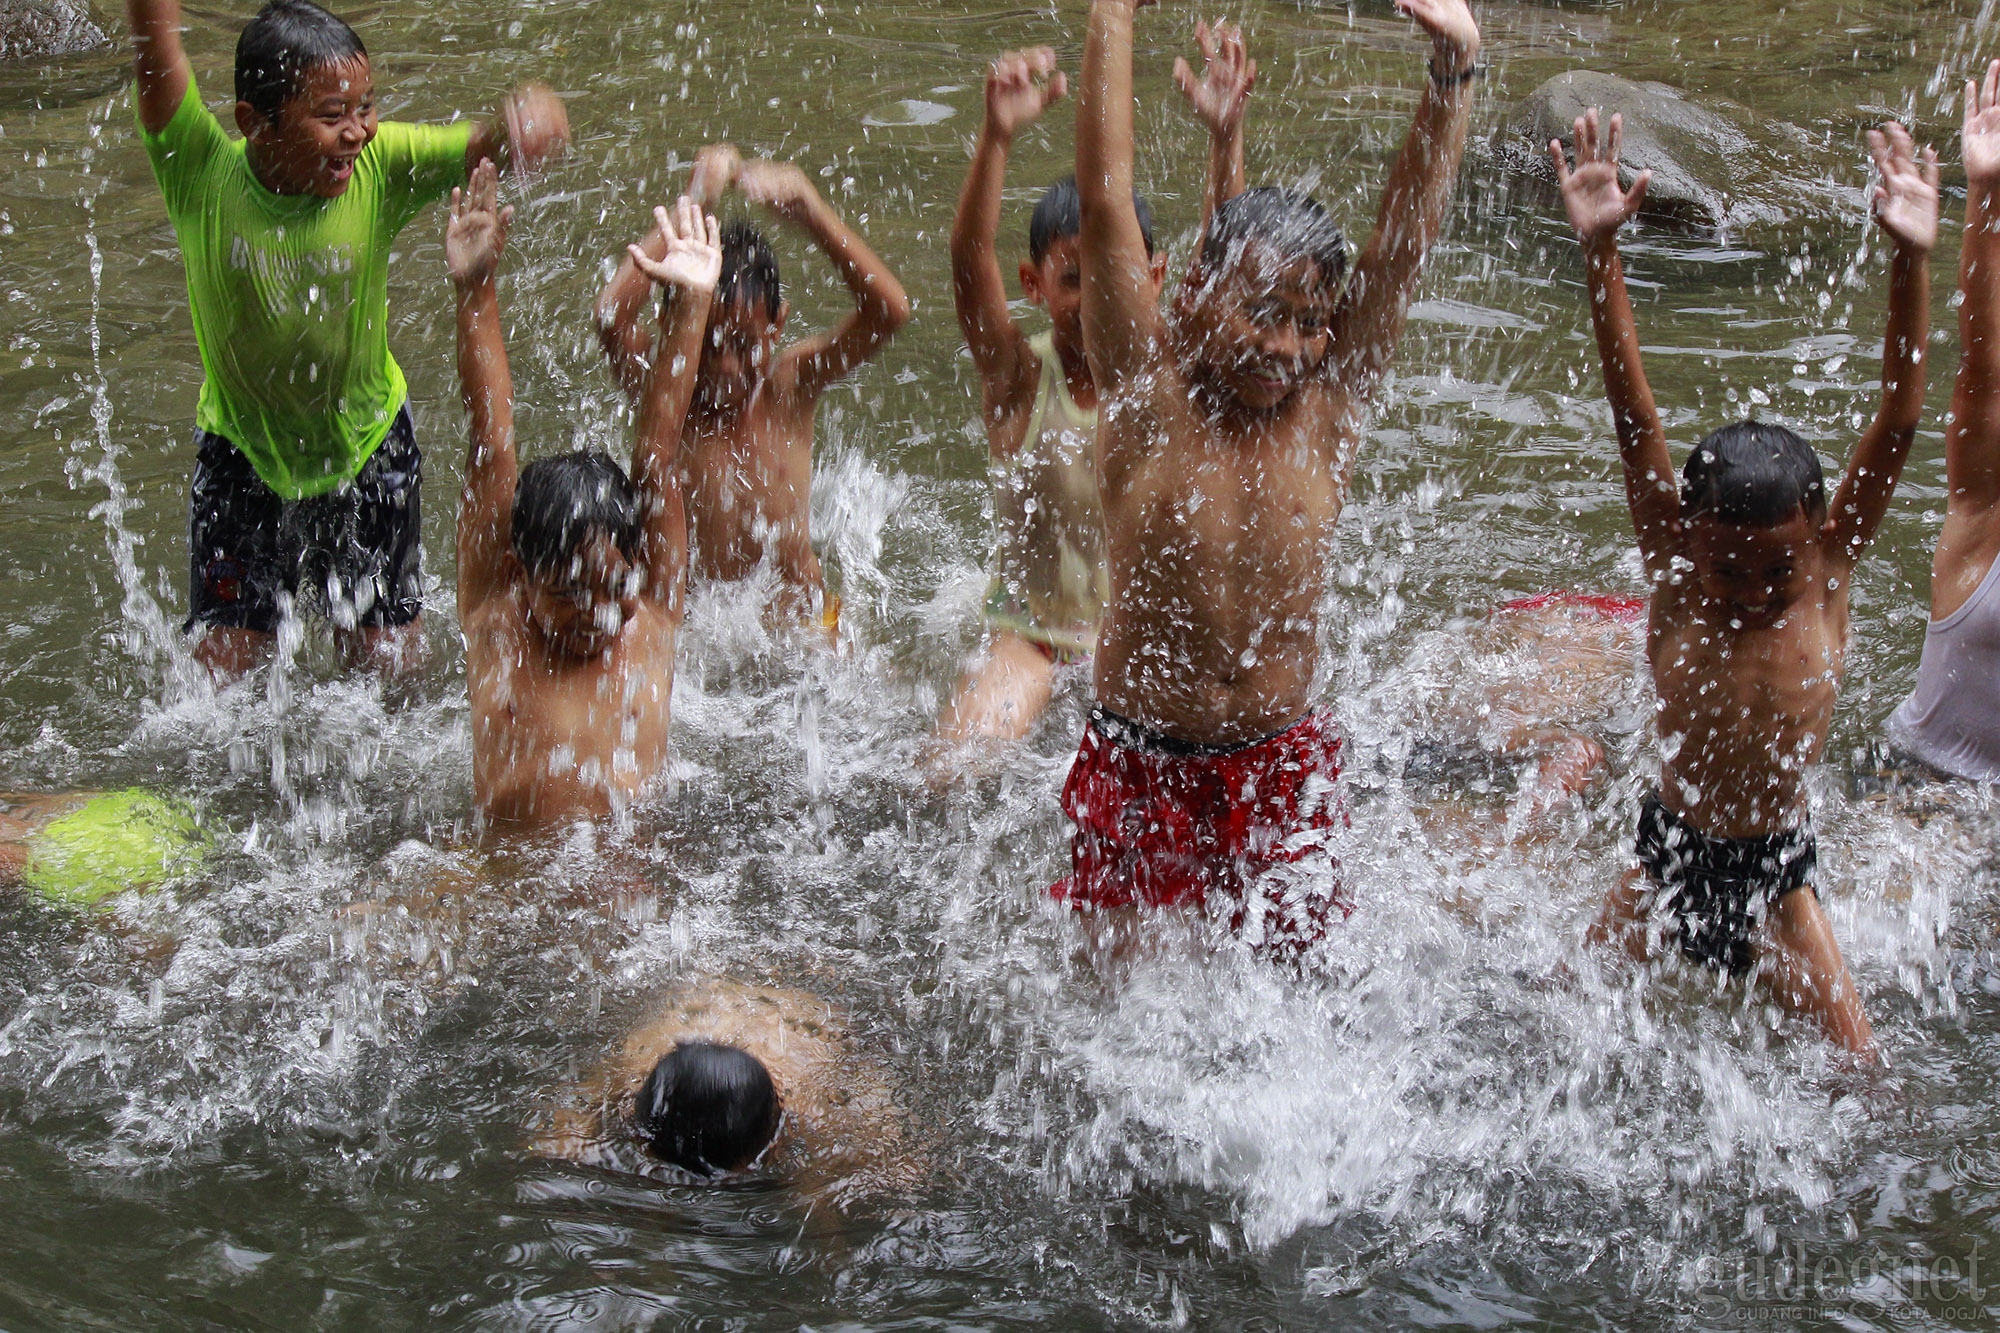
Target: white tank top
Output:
[
  {"x": 1051, "y": 584},
  {"x": 1951, "y": 720}
]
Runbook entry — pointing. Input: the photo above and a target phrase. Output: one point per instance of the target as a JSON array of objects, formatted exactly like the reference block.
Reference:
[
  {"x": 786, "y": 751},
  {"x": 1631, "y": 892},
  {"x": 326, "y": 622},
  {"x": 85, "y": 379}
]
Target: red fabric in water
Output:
[
  {"x": 1608, "y": 605},
  {"x": 1168, "y": 830}
]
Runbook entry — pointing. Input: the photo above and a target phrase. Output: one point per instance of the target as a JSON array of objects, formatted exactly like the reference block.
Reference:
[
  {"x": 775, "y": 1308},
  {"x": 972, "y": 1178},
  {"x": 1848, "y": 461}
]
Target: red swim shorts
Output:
[{"x": 1168, "y": 824}]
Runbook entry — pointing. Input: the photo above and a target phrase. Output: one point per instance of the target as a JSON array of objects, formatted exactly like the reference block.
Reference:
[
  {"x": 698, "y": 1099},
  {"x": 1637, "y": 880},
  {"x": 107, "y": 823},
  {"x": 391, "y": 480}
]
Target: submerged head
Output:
[
  {"x": 1254, "y": 314},
  {"x": 305, "y": 98},
  {"x": 1753, "y": 497},
  {"x": 1052, "y": 277},
  {"x": 576, "y": 534},
  {"x": 708, "y": 1108},
  {"x": 744, "y": 320}
]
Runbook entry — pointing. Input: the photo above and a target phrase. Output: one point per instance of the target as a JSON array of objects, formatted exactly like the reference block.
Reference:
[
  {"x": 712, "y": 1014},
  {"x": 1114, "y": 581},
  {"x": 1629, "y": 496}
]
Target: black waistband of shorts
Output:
[
  {"x": 1785, "y": 860},
  {"x": 1135, "y": 736}
]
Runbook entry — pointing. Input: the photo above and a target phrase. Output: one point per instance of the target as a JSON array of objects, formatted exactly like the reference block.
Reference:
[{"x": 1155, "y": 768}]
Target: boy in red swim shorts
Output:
[{"x": 1228, "y": 430}]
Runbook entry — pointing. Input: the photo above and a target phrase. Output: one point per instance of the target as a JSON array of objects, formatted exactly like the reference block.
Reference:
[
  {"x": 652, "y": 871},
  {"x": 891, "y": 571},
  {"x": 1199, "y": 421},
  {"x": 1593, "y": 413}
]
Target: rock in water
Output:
[
  {"x": 1707, "y": 169},
  {"x": 38, "y": 29}
]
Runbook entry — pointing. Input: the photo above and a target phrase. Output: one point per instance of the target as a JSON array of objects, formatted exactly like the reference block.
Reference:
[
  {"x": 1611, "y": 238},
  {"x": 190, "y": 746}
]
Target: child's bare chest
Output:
[
  {"x": 758, "y": 460},
  {"x": 1778, "y": 681},
  {"x": 1262, "y": 514},
  {"x": 594, "y": 726}
]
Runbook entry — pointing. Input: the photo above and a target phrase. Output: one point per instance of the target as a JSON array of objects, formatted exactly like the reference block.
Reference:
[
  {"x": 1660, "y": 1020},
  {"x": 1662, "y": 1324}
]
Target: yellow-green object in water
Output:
[{"x": 120, "y": 840}]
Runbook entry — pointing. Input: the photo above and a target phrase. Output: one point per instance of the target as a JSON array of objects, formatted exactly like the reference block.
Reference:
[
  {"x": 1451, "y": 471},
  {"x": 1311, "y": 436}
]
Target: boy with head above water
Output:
[
  {"x": 746, "y": 449},
  {"x": 1747, "y": 637},
  {"x": 1226, "y": 437},
  {"x": 308, "y": 474},
  {"x": 1039, "y": 402},
  {"x": 571, "y": 573}
]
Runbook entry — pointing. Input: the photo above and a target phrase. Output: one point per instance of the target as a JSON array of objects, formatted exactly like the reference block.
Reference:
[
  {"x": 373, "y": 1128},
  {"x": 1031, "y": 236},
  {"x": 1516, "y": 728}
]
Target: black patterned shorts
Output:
[{"x": 355, "y": 554}]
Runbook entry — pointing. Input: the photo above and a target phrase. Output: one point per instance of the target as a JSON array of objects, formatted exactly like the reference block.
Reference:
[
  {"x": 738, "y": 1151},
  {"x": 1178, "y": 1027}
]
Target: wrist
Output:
[
  {"x": 1452, "y": 57},
  {"x": 995, "y": 137}
]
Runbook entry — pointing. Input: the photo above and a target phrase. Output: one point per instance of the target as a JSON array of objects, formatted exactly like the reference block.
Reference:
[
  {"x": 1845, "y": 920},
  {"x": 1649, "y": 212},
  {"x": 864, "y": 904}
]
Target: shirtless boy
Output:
[
  {"x": 1037, "y": 398},
  {"x": 308, "y": 474},
  {"x": 1226, "y": 440},
  {"x": 1747, "y": 634},
  {"x": 1951, "y": 720},
  {"x": 746, "y": 449},
  {"x": 571, "y": 574}
]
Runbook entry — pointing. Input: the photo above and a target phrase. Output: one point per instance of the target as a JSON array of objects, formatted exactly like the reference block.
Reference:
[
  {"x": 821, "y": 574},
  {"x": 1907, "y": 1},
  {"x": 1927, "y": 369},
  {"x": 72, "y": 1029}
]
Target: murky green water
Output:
[{"x": 254, "y": 1104}]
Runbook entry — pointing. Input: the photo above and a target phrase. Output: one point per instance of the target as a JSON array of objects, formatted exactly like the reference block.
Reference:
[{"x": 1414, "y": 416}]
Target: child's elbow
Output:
[{"x": 894, "y": 306}]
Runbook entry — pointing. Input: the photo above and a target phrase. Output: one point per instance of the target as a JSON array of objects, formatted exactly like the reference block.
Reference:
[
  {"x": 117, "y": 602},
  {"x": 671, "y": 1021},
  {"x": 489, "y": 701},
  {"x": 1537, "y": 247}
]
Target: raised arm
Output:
[
  {"x": 1020, "y": 85},
  {"x": 623, "y": 331},
  {"x": 1971, "y": 536},
  {"x": 524, "y": 131},
  {"x": 690, "y": 246},
  {"x": 1597, "y": 208},
  {"x": 1906, "y": 207},
  {"x": 880, "y": 305},
  {"x": 159, "y": 60},
  {"x": 473, "y": 243},
  {"x": 1228, "y": 75},
  {"x": 1121, "y": 319},
  {"x": 1369, "y": 322}
]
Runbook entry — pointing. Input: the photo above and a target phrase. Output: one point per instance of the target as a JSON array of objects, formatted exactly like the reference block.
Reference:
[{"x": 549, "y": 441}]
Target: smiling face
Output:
[
  {"x": 736, "y": 355},
  {"x": 1251, "y": 335},
  {"x": 1756, "y": 572},
  {"x": 319, "y": 132},
  {"x": 583, "y": 613}
]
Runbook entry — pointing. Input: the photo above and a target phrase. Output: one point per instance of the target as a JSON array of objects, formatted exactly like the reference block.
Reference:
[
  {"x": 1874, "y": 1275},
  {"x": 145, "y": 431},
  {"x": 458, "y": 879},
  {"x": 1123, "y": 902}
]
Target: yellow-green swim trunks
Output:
[{"x": 120, "y": 840}]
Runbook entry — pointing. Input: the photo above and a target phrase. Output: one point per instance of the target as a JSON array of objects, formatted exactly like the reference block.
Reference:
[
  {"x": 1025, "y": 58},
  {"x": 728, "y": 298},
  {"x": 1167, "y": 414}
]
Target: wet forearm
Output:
[
  {"x": 975, "y": 266},
  {"x": 877, "y": 294},
  {"x": 669, "y": 389},
  {"x": 1904, "y": 339},
  {"x": 1104, "y": 111}
]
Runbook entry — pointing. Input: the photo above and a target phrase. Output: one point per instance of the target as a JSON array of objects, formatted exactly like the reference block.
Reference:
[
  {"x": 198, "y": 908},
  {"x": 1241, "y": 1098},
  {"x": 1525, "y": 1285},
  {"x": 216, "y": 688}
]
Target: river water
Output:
[{"x": 298, "y": 1094}]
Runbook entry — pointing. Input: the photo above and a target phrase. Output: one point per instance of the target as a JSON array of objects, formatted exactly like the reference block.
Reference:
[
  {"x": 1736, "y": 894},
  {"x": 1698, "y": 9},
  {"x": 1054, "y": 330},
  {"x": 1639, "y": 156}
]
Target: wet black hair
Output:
[
  {"x": 749, "y": 269},
  {"x": 278, "y": 48},
  {"x": 707, "y": 1107},
  {"x": 560, "y": 502},
  {"x": 1753, "y": 474},
  {"x": 1059, "y": 216},
  {"x": 1291, "y": 221}
]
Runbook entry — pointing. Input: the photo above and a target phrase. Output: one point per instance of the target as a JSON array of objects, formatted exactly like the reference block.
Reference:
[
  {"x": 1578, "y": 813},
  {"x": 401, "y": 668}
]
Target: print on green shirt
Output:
[{"x": 290, "y": 293}]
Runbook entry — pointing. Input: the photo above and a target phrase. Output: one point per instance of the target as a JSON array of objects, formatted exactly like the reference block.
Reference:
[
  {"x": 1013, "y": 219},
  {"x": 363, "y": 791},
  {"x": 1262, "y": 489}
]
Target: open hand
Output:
[
  {"x": 1227, "y": 77},
  {"x": 693, "y": 261},
  {"x": 477, "y": 232},
  {"x": 1906, "y": 198},
  {"x": 1596, "y": 204},
  {"x": 778, "y": 186},
  {"x": 537, "y": 126},
  {"x": 1981, "y": 141},
  {"x": 1020, "y": 85},
  {"x": 1454, "y": 34}
]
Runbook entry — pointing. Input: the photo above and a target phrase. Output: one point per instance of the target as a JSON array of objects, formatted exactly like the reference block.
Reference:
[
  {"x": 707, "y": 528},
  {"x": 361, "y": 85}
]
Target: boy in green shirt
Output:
[{"x": 308, "y": 471}]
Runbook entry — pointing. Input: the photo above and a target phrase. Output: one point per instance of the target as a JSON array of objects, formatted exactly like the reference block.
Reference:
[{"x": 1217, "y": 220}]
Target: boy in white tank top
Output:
[
  {"x": 1038, "y": 401},
  {"x": 1951, "y": 721}
]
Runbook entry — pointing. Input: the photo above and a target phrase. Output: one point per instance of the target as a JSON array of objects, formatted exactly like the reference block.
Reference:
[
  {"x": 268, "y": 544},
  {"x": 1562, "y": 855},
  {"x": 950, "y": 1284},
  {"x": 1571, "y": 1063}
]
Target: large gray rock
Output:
[
  {"x": 1708, "y": 169},
  {"x": 38, "y": 29}
]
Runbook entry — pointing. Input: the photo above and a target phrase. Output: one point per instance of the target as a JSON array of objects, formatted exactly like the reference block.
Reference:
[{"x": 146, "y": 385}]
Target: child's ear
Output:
[
  {"x": 1031, "y": 283},
  {"x": 784, "y": 313},
  {"x": 252, "y": 123}
]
